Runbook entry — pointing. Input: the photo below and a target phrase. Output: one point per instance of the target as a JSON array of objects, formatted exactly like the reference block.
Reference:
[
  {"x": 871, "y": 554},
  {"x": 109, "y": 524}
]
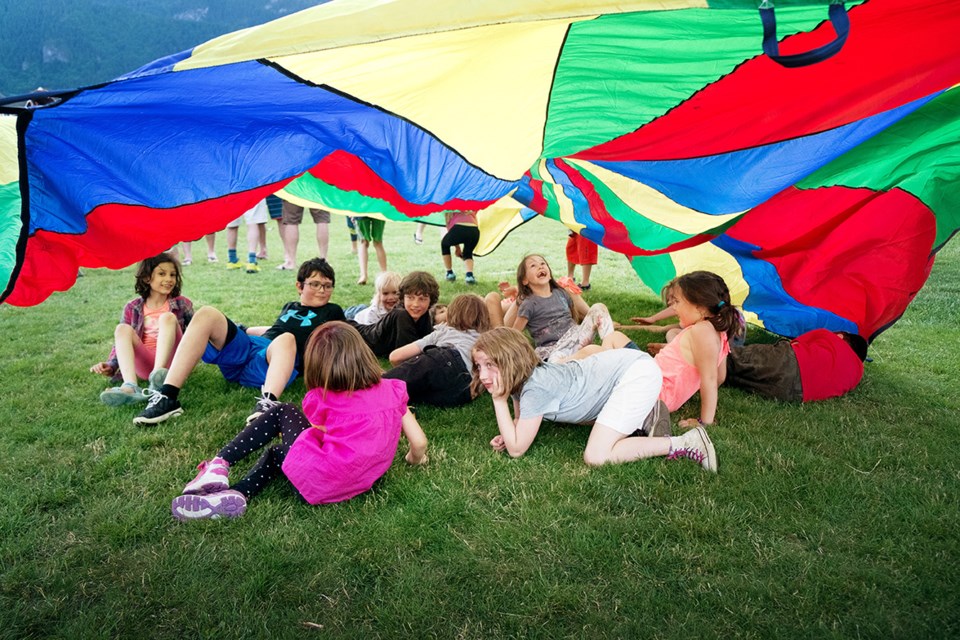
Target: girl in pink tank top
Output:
[{"x": 695, "y": 360}]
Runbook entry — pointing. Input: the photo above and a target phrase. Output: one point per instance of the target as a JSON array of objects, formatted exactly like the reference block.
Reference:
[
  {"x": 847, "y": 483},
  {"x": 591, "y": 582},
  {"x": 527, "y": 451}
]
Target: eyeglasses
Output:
[{"x": 319, "y": 286}]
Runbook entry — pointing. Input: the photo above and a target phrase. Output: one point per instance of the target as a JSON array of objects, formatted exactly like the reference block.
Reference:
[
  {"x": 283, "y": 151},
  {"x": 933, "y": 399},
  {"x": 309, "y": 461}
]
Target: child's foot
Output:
[
  {"x": 127, "y": 393},
  {"x": 263, "y": 405},
  {"x": 469, "y": 279},
  {"x": 157, "y": 378},
  {"x": 159, "y": 408},
  {"x": 187, "y": 262},
  {"x": 213, "y": 477},
  {"x": 253, "y": 267},
  {"x": 227, "y": 504},
  {"x": 212, "y": 258},
  {"x": 262, "y": 256},
  {"x": 234, "y": 265},
  {"x": 417, "y": 239},
  {"x": 362, "y": 281},
  {"x": 694, "y": 445},
  {"x": 285, "y": 267},
  {"x": 584, "y": 286},
  {"x": 451, "y": 276}
]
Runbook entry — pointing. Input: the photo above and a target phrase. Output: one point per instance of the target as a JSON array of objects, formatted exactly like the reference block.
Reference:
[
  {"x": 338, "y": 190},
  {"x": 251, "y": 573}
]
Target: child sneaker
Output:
[
  {"x": 213, "y": 477},
  {"x": 469, "y": 279},
  {"x": 126, "y": 393},
  {"x": 157, "y": 378},
  {"x": 253, "y": 267},
  {"x": 695, "y": 445},
  {"x": 263, "y": 405},
  {"x": 158, "y": 409},
  {"x": 234, "y": 265},
  {"x": 451, "y": 276},
  {"x": 227, "y": 504}
]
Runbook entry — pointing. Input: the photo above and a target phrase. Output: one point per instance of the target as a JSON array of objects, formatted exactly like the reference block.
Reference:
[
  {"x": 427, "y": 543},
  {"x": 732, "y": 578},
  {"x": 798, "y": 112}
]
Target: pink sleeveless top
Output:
[{"x": 680, "y": 378}]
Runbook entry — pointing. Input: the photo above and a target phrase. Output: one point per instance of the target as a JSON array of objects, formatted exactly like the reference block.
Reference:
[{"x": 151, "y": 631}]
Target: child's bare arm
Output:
[
  {"x": 663, "y": 314},
  {"x": 405, "y": 352},
  {"x": 705, "y": 344},
  {"x": 417, "y": 454}
]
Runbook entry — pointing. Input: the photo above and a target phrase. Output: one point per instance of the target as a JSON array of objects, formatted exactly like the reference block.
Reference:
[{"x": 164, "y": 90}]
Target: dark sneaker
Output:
[
  {"x": 469, "y": 279},
  {"x": 126, "y": 393},
  {"x": 158, "y": 409},
  {"x": 225, "y": 504},
  {"x": 263, "y": 405},
  {"x": 451, "y": 276},
  {"x": 695, "y": 445},
  {"x": 213, "y": 477}
]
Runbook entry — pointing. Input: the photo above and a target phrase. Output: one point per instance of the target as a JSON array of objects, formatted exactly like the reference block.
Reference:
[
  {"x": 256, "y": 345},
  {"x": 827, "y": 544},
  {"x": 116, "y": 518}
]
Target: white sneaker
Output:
[{"x": 695, "y": 445}]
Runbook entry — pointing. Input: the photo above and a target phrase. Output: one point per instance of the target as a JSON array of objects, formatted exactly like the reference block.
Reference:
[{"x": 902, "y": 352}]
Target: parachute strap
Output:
[{"x": 841, "y": 26}]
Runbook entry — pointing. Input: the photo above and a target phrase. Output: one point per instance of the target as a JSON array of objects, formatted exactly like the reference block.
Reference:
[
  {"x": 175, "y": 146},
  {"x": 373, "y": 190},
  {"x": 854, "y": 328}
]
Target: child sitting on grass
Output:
[
  {"x": 264, "y": 358},
  {"x": 150, "y": 329},
  {"x": 386, "y": 295},
  {"x": 407, "y": 321},
  {"x": 342, "y": 442},
  {"x": 436, "y": 367}
]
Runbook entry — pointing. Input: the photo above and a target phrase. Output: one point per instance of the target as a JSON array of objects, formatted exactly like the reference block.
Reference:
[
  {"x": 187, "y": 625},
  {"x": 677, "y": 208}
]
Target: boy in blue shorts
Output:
[{"x": 267, "y": 358}]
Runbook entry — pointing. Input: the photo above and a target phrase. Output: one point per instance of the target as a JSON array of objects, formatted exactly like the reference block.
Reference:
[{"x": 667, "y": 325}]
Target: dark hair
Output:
[
  {"x": 422, "y": 283},
  {"x": 468, "y": 311},
  {"x": 145, "y": 273},
  {"x": 315, "y": 265},
  {"x": 855, "y": 342},
  {"x": 708, "y": 290},
  {"x": 524, "y": 290},
  {"x": 337, "y": 358}
]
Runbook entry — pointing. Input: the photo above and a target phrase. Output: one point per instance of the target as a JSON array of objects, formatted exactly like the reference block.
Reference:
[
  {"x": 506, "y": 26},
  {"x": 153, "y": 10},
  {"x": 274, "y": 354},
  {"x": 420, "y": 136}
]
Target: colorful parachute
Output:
[{"x": 657, "y": 128}]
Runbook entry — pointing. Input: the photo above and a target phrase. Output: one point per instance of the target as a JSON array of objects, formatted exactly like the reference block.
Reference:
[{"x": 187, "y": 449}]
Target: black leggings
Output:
[
  {"x": 284, "y": 420},
  {"x": 463, "y": 234}
]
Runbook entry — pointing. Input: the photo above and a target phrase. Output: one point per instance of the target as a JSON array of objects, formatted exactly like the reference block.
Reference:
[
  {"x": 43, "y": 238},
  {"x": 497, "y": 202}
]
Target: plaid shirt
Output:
[{"x": 132, "y": 315}]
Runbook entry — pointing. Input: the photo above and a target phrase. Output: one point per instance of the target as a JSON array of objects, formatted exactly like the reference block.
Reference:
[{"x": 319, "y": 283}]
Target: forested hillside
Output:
[{"x": 64, "y": 44}]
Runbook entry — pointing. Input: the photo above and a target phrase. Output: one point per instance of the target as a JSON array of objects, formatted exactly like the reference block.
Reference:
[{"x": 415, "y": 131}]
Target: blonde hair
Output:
[
  {"x": 468, "y": 311},
  {"x": 384, "y": 280},
  {"x": 336, "y": 358},
  {"x": 511, "y": 352}
]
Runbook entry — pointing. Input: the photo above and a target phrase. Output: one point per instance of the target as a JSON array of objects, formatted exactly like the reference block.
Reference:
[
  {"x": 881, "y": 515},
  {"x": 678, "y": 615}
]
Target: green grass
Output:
[{"x": 837, "y": 519}]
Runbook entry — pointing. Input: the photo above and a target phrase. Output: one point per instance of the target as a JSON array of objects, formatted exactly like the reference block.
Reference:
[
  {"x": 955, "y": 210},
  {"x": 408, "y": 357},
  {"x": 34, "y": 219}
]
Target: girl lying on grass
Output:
[
  {"x": 342, "y": 442},
  {"x": 616, "y": 390},
  {"x": 149, "y": 331}
]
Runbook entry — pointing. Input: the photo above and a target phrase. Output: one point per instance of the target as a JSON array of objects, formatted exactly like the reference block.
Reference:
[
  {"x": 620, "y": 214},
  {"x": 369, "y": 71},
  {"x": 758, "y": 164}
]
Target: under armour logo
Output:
[{"x": 305, "y": 321}]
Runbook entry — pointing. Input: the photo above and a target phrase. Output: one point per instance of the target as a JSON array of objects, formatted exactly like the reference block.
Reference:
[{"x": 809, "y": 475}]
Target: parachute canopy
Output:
[{"x": 820, "y": 189}]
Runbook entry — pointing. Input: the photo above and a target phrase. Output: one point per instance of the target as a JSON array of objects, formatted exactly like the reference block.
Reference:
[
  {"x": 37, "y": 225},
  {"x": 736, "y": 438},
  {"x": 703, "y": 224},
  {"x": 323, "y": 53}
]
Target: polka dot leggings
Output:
[{"x": 285, "y": 421}]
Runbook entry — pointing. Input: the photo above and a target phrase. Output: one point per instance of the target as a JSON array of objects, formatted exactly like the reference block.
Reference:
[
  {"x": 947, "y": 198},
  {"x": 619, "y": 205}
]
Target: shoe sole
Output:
[
  {"x": 157, "y": 420},
  {"x": 193, "y": 507}
]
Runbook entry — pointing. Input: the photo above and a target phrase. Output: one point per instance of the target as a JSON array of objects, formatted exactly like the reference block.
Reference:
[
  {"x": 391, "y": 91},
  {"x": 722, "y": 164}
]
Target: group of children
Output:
[{"x": 346, "y": 434}]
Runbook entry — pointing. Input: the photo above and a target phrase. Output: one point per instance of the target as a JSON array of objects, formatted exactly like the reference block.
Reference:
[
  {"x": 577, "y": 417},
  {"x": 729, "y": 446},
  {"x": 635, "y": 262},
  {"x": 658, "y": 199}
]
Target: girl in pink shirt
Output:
[
  {"x": 695, "y": 360},
  {"x": 342, "y": 442}
]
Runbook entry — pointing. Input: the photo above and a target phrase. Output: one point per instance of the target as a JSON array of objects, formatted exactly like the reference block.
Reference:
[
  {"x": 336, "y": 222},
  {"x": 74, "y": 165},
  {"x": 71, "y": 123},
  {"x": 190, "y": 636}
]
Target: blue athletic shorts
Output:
[{"x": 243, "y": 360}]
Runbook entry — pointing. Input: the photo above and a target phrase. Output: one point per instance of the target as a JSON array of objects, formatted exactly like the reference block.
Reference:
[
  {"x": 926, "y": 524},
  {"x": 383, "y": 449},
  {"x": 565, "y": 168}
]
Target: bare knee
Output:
[
  {"x": 167, "y": 320},
  {"x": 123, "y": 332},
  {"x": 594, "y": 457}
]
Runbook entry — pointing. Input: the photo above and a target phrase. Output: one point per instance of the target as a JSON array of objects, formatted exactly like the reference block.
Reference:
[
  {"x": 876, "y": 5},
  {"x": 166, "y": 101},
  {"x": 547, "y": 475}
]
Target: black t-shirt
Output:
[
  {"x": 394, "y": 330},
  {"x": 301, "y": 320}
]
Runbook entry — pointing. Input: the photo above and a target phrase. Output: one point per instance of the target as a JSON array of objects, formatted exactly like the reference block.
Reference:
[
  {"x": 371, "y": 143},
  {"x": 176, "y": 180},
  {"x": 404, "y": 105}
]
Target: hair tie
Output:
[{"x": 720, "y": 304}]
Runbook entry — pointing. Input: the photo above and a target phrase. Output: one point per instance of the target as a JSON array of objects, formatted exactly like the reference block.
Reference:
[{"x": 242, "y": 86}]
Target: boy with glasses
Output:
[{"x": 267, "y": 358}]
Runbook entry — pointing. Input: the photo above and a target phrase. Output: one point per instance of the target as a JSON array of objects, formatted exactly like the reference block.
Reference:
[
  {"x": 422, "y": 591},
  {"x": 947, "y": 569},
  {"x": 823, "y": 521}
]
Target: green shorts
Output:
[{"x": 371, "y": 229}]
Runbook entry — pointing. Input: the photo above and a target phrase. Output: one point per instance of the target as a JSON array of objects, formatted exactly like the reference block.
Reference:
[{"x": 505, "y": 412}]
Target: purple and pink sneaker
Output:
[
  {"x": 213, "y": 477},
  {"x": 222, "y": 504}
]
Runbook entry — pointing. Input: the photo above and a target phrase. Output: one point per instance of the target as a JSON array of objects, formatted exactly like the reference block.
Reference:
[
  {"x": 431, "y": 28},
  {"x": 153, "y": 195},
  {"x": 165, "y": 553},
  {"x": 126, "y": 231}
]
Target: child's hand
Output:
[
  {"x": 103, "y": 369},
  {"x": 498, "y": 444},
  {"x": 496, "y": 387},
  {"x": 689, "y": 423},
  {"x": 412, "y": 458},
  {"x": 642, "y": 319}
]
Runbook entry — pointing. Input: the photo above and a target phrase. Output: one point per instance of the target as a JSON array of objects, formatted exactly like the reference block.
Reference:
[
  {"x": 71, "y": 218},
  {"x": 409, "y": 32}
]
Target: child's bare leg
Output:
[
  {"x": 208, "y": 325},
  {"x": 585, "y": 276},
  {"x": 281, "y": 357},
  {"x": 166, "y": 338},
  {"x": 493, "y": 302},
  {"x": 381, "y": 255},
  {"x": 124, "y": 339},
  {"x": 607, "y": 445},
  {"x": 363, "y": 257}
]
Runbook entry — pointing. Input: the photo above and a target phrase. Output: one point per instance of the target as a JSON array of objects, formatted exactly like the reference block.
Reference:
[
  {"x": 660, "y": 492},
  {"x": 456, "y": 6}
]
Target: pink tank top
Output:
[{"x": 680, "y": 378}]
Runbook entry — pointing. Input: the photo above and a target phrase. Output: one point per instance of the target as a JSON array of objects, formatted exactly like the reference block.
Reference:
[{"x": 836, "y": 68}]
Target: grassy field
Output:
[{"x": 839, "y": 519}]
